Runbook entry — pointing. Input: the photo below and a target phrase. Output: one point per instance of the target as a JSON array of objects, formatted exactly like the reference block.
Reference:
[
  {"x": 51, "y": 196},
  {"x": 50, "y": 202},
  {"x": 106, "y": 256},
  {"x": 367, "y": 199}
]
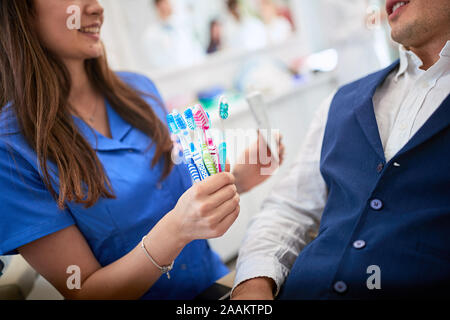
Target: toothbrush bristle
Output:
[
  {"x": 181, "y": 124},
  {"x": 172, "y": 124},
  {"x": 189, "y": 115},
  {"x": 200, "y": 117},
  {"x": 223, "y": 108}
]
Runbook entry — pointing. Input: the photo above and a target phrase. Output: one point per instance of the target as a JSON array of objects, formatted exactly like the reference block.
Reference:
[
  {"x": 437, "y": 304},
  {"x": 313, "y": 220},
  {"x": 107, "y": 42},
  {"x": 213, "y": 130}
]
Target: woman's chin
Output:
[
  {"x": 92, "y": 50},
  {"x": 93, "y": 53}
]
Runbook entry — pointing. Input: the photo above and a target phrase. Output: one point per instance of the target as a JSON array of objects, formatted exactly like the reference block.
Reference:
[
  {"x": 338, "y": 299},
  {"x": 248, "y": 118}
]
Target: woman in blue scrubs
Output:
[{"x": 87, "y": 187}]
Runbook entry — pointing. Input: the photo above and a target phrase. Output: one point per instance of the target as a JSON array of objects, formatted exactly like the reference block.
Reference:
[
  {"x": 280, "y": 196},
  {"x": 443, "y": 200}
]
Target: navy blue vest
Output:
[{"x": 386, "y": 224}]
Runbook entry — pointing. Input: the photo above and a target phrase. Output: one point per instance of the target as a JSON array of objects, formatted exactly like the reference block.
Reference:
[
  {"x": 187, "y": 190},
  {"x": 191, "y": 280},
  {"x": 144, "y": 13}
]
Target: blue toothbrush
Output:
[{"x": 186, "y": 149}]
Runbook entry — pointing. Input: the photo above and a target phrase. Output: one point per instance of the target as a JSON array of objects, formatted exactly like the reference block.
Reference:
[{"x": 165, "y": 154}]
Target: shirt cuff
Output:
[{"x": 261, "y": 267}]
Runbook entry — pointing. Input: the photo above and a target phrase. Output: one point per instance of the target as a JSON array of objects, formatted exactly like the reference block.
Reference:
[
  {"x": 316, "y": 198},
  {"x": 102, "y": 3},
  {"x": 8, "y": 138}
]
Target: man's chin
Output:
[{"x": 403, "y": 34}]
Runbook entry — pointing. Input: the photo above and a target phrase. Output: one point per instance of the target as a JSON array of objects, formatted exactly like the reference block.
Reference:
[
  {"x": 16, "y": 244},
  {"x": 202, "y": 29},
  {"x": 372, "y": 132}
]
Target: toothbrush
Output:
[
  {"x": 207, "y": 159},
  {"x": 202, "y": 122},
  {"x": 212, "y": 147},
  {"x": 189, "y": 146},
  {"x": 186, "y": 150},
  {"x": 189, "y": 117},
  {"x": 223, "y": 115}
]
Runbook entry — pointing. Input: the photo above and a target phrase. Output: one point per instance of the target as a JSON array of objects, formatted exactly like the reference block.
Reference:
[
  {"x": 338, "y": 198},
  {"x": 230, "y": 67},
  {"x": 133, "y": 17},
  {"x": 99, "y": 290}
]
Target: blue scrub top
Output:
[{"x": 112, "y": 227}]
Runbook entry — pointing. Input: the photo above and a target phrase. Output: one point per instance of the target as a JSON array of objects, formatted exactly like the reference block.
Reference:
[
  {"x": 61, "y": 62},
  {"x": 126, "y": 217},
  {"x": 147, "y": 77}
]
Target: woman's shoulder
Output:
[
  {"x": 15, "y": 152},
  {"x": 12, "y": 140},
  {"x": 8, "y": 121},
  {"x": 143, "y": 85},
  {"x": 138, "y": 81}
]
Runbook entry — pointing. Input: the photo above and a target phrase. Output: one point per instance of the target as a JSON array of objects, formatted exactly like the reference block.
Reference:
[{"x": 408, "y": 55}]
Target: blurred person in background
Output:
[
  {"x": 242, "y": 31},
  {"x": 365, "y": 211},
  {"x": 278, "y": 28},
  {"x": 215, "y": 36},
  {"x": 169, "y": 42}
]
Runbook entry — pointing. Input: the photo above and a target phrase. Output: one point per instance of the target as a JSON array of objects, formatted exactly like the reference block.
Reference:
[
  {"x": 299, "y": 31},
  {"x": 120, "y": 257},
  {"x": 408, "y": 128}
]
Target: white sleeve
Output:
[{"x": 290, "y": 216}]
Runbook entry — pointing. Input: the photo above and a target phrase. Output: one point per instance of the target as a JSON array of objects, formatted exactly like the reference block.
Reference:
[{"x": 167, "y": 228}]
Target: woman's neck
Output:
[
  {"x": 81, "y": 90},
  {"x": 85, "y": 101},
  {"x": 78, "y": 77}
]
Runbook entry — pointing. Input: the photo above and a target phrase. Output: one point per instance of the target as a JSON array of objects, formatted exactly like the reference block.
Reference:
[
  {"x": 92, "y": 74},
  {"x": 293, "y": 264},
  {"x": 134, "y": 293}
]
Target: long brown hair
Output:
[{"x": 37, "y": 85}]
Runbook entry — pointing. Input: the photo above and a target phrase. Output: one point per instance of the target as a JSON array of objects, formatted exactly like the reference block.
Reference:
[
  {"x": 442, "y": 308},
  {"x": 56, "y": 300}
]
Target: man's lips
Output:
[{"x": 390, "y": 4}]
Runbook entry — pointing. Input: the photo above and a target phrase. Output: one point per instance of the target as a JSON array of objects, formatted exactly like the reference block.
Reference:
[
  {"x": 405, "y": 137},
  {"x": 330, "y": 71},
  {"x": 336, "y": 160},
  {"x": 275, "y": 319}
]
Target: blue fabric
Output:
[
  {"x": 112, "y": 227},
  {"x": 406, "y": 232}
]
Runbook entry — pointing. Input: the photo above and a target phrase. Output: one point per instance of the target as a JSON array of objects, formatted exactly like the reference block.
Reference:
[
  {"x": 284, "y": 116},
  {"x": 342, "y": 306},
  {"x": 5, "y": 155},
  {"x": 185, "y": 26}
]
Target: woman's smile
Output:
[{"x": 92, "y": 31}]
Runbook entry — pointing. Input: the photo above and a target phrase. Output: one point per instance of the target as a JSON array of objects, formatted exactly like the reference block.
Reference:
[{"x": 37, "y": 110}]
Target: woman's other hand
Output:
[{"x": 250, "y": 173}]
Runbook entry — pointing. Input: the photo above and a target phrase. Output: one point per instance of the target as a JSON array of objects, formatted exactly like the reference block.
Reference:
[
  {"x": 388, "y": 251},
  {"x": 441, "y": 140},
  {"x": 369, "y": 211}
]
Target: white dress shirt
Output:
[{"x": 290, "y": 216}]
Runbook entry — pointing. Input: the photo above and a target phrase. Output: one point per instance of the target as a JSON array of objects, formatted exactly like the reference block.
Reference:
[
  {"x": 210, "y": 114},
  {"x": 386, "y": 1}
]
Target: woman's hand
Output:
[
  {"x": 248, "y": 175},
  {"x": 207, "y": 209}
]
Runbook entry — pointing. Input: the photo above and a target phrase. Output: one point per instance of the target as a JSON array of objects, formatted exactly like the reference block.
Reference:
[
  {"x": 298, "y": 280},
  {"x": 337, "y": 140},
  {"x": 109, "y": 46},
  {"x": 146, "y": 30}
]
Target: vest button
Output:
[
  {"x": 376, "y": 204},
  {"x": 340, "y": 287},
  {"x": 359, "y": 244},
  {"x": 380, "y": 167}
]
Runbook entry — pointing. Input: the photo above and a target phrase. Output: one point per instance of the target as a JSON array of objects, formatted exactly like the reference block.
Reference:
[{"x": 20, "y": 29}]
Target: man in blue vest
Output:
[{"x": 371, "y": 185}]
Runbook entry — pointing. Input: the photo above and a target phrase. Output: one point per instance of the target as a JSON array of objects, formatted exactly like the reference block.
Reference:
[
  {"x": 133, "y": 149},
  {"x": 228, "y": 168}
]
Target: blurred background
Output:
[
  {"x": 197, "y": 49},
  {"x": 295, "y": 52}
]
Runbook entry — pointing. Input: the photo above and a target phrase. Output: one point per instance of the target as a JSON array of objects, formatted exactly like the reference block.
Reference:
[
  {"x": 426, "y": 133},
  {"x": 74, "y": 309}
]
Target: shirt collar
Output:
[
  {"x": 119, "y": 129},
  {"x": 445, "y": 52},
  {"x": 410, "y": 59}
]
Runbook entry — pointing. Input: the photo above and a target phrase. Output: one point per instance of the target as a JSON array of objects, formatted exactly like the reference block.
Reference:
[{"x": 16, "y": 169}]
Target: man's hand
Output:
[
  {"x": 255, "y": 289},
  {"x": 249, "y": 175}
]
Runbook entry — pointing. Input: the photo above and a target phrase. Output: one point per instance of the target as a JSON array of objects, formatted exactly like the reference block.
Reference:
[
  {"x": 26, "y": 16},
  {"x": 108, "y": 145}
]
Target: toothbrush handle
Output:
[
  {"x": 215, "y": 156},
  {"x": 193, "y": 171},
  {"x": 200, "y": 166},
  {"x": 208, "y": 160},
  {"x": 222, "y": 156},
  {"x": 196, "y": 156},
  {"x": 191, "y": 165},
  {"x": 214, "y": 153}
]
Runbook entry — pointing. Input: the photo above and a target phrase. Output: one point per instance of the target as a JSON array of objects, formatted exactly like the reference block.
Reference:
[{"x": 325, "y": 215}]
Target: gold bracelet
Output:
[{"x": 163, "y": 269}]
